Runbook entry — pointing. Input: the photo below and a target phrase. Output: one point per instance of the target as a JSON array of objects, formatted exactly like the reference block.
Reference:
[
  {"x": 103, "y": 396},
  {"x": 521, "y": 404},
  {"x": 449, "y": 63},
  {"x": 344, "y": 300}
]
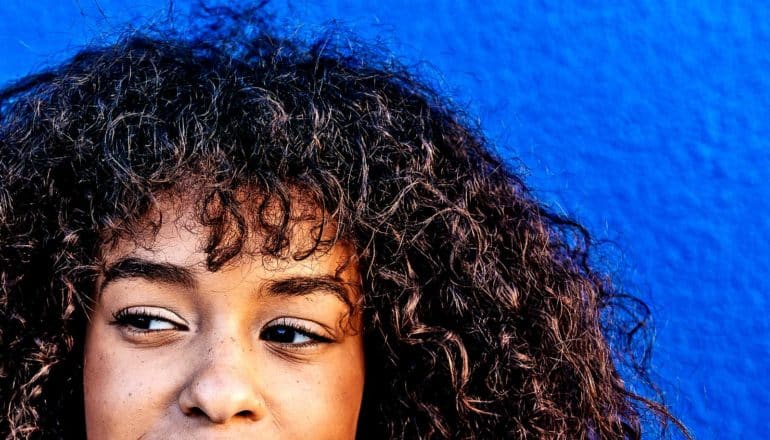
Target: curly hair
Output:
[{"x": 483, "y": 315}]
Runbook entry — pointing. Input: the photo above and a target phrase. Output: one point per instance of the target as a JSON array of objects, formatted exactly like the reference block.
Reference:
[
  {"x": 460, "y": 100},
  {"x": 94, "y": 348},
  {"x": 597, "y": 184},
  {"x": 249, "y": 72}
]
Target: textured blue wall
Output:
[{"x": 646, "y": 120}]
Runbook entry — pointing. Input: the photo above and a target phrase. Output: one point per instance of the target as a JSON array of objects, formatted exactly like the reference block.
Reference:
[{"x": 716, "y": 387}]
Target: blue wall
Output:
[{"x": 648, "y": 121}]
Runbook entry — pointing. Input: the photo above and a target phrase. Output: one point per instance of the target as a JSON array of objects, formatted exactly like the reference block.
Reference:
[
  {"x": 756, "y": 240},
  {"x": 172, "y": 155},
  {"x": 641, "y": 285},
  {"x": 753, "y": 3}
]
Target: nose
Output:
[{"x": 224, "y": 389}]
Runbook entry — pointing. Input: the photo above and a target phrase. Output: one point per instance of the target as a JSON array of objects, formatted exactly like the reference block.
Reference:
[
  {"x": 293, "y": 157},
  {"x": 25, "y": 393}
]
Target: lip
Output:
[{"x": 235, "y": 430}]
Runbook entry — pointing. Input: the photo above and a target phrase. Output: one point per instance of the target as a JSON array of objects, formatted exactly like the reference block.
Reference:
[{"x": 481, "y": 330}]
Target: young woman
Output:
[{"x": 254, "y": 237}]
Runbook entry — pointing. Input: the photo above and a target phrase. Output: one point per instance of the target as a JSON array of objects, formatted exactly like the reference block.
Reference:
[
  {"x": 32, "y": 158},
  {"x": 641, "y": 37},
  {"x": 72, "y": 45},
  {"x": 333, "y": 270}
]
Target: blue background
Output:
[{"x": 646, "y": 120}]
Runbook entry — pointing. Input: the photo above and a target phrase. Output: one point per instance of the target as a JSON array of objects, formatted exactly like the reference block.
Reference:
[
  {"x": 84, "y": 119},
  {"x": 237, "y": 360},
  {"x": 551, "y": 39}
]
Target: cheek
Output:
[
  {"x": 323, "y": 399},
  {"x": 124, "y": 394}
]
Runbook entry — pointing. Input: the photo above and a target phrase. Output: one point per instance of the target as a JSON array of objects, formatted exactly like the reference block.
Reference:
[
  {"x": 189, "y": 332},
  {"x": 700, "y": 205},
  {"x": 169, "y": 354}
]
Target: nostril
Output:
[
  {"x": 197, "y": 412},
  {"x": 245, "y": 414}
]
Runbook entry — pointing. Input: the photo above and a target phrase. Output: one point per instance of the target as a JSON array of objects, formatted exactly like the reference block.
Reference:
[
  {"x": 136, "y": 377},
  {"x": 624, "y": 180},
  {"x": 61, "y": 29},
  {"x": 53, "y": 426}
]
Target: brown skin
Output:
[{"x": 262, "y": 348}]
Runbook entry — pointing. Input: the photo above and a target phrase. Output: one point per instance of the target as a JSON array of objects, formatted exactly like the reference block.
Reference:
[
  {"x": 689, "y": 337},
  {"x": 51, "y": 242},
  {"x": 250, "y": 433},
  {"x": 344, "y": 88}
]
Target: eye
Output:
[
  {"x": 147, "y": 320},
  {"x": 290, "y": 332}
]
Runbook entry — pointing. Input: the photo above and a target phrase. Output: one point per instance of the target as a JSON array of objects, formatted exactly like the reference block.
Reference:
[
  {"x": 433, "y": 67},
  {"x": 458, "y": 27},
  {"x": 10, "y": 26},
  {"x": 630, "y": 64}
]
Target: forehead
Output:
[{"x": 185, "y": 230}]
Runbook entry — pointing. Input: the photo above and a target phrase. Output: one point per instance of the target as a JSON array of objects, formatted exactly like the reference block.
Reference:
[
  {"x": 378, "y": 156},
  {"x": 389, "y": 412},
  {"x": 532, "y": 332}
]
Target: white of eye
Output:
[
  {"x": 300, "y": 338},
  {"x": 160, "y": 324}
]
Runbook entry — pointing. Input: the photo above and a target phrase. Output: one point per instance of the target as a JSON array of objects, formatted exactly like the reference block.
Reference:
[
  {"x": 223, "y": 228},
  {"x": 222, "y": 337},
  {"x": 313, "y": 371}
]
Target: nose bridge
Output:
[
  {"x": 225, "y": 385},
  {"x": 228, "y": 345},
  {"x": 228, "y": 359}
]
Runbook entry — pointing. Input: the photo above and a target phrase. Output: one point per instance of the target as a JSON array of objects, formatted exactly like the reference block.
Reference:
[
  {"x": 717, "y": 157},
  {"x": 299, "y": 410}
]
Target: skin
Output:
[{"x": 262, "y": 348}]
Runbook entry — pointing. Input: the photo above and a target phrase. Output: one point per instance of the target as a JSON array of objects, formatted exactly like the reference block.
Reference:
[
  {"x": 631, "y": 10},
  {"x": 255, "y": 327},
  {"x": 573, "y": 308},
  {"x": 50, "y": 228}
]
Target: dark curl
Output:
[{"x": 483, "y": 318}]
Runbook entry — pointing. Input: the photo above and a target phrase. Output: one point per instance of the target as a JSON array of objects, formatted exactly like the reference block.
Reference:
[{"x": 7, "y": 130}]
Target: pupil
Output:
[
  {"x": 142, "y": 322},
  {"x": 280, "y": 334}
]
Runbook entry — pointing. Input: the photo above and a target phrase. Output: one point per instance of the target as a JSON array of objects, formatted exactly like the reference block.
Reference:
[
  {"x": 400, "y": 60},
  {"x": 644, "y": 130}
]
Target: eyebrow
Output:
[
  {"x": 306, "y": 285},
  {"x": 168, "y": 273},
  {"x": 149, "y": 270}
]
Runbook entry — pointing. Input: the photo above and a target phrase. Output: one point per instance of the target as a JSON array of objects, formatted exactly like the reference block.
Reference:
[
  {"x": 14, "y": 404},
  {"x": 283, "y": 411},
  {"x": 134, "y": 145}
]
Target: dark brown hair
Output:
[{"x": 483, "y": 315}]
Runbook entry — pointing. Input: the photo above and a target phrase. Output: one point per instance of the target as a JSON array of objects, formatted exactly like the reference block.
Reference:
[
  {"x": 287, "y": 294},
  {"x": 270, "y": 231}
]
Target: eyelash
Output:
[
  {"x": 127, "y": 319},
  {"x": 284, "y": 323}
]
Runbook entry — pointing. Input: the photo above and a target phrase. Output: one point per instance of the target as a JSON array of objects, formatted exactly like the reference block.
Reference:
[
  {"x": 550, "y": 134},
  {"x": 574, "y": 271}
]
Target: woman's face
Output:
[{"x": 262, "y": 348}]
